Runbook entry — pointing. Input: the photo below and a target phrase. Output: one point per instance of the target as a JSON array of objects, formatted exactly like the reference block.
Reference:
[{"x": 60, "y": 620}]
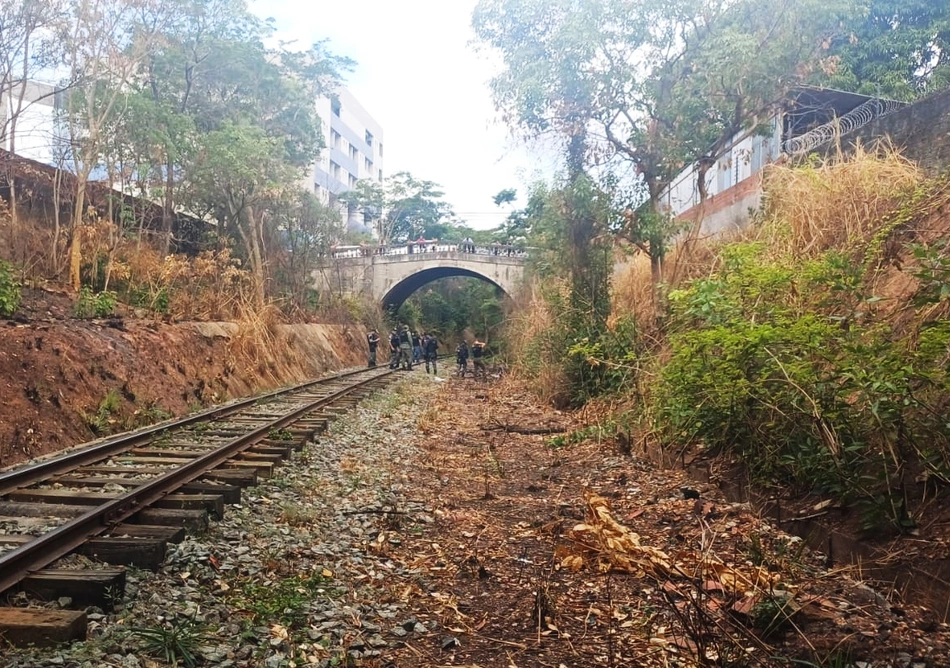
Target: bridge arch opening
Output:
[{"x": 402, "y": 290}]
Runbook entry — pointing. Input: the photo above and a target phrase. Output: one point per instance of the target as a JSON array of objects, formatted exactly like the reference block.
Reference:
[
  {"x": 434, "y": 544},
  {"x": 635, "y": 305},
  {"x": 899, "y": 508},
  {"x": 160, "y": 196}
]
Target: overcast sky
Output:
[{"x": 419, "y": 76}]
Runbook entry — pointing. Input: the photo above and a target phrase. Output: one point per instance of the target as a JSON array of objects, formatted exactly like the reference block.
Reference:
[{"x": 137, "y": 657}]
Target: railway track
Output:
[{"x": 122, "y": 500}]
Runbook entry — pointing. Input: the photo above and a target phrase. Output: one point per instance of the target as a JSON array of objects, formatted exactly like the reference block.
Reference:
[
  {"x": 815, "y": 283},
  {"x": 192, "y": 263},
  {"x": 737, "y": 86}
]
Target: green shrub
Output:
[
  {"x": 782, "y": 363},
  {"x": 9, "y": 290},
  {"x": 94, "y": 305},
  {"x": 175, "y": 642},
  {"x": 103, "y": 421}
]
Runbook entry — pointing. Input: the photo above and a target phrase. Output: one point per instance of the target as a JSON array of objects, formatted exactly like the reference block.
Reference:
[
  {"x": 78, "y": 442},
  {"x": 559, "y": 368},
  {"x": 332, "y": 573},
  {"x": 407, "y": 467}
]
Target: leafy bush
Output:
[
  {"x": 103, "y": 420},
  {"x": 9, "y": 290},
  {"x": 94, "y": 305},
  {"x": 782, "y": 362}
]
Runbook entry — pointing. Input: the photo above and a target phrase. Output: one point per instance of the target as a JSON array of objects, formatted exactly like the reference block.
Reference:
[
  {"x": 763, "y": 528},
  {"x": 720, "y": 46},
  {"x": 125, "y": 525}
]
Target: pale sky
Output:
[{"x": 418, "y": 75}]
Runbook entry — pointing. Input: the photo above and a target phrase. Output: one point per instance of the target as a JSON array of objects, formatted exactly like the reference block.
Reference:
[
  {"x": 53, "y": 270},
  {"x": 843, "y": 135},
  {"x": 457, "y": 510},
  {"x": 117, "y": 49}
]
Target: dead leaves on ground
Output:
[{"x": 608, "y": 545}]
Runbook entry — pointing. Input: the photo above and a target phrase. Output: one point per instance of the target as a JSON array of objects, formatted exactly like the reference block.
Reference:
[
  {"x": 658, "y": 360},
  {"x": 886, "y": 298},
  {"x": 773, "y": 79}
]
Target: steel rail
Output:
[
  {"x": 25, "y": 475},
  {"x": 44, "y": 550}
]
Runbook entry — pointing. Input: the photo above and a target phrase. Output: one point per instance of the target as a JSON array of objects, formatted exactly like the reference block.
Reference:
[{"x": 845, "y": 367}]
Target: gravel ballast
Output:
[{"x": 296, "y": 575}]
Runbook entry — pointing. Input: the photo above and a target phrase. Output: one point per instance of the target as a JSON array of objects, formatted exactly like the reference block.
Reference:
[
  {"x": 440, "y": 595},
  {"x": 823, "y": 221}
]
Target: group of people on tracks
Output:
[{"x": 407, "y": 348}]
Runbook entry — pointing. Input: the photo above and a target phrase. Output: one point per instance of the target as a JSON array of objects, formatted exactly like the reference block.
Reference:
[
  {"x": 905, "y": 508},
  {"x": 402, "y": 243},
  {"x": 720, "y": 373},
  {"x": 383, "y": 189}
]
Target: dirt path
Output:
[
  {"x": 424, "y": 530},
  {"x": 519, "y": 568}
]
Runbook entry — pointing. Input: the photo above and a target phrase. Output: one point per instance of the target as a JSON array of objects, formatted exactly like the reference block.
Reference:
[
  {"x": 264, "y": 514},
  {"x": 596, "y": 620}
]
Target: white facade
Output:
[
  {"x": 355, "y": 148},
  {"x": 35, "y": 136},
  {"x": 746, "y": 156}
]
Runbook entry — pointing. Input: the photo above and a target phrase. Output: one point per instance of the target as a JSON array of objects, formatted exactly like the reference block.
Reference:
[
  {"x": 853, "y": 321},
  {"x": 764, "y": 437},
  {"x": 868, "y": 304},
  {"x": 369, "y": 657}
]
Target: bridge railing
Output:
[{"x": 421, "y": 248}]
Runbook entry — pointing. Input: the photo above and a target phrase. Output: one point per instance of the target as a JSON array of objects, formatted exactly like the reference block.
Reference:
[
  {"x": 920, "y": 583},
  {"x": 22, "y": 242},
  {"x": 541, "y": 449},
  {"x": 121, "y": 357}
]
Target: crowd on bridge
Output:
[{"x": 422, "y": 245}]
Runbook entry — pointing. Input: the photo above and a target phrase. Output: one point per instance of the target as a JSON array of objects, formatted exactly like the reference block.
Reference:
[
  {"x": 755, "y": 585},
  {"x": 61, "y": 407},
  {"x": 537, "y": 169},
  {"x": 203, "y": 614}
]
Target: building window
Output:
[
  {"x": 380, "y": 149},
  {"x": 335, "y": 106},
  {"x": 368, "y": 164},
  {"x": 352, "y": 181},
  {"x": 334, "y": 170},
  {"x": 335, "y": 139},
  {"x": 354, "y": 154},
  {"x": 380, "y": 175},
  {"x": 722, "y": 175},
  {"x": 369, "y": 139}
]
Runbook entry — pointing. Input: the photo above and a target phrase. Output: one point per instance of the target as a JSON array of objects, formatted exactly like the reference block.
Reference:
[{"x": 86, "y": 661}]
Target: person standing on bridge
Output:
[
  {"x": 431, "y": 351},
  {"x": 372, "y": 339}
]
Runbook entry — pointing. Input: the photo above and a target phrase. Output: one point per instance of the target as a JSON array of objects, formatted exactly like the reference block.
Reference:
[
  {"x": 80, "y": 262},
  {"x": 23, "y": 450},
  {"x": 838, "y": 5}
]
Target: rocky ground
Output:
[{"x": 457, "y": 523}]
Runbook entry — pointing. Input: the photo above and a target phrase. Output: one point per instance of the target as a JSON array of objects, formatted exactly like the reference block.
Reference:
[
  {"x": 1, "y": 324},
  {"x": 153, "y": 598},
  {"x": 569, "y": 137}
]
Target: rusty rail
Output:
[
  {"x": 25, "y": 475},
  {"x": 45, "y": 549}
]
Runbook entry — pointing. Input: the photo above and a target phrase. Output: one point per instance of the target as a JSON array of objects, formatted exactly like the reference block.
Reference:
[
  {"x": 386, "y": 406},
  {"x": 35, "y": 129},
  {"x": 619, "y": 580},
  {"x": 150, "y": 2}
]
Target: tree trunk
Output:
[
  {"x": 57, "y": 226},
  {"x": 75, "y": 243},
  {"x": 168, "y": 210},
  {"x": 248, "y": 231}
]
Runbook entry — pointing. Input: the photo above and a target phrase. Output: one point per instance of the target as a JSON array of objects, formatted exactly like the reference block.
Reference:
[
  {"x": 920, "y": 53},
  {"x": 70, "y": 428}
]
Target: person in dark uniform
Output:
[
  {"x": 461, "y": 358},
  {"x": 393, "y": 349},
  {"x": 478, "y": 364},
  {"x": 372, "y": 340},
  {"x": 431, "y": 352}
]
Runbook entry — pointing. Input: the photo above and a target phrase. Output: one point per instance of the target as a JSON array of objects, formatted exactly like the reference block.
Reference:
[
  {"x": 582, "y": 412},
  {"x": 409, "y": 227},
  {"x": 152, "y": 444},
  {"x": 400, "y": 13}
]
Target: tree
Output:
[
  {"x": 900, "y": 49},
  {"x": 661, "y": 83},
  {"x": 28, "y": 44},
  {"x": 109, "y": 39},
  {"x": 549, "y": 84},
  {"x": 515, "y": 225},
  {"x": 303, "y": 231},
  {"x": 238, "y": 170},
  {"x": 402, "y": 207}
]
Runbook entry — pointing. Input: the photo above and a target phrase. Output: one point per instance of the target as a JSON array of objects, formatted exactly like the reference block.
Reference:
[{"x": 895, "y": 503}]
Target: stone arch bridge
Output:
[{"x": 390, "y": 275}]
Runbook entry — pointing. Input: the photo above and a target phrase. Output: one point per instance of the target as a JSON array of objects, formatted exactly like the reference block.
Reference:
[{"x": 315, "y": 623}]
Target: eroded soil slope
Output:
[{"x": 64, "y": 381}]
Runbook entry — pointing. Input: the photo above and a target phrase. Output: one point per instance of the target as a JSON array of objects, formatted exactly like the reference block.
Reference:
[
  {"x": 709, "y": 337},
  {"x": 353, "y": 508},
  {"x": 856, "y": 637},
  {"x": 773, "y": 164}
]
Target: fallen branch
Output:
[{"x": 515, "y": 429}]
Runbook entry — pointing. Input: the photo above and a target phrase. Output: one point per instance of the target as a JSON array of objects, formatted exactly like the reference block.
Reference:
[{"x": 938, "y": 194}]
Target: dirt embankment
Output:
[{"x": 64, "y": 381}]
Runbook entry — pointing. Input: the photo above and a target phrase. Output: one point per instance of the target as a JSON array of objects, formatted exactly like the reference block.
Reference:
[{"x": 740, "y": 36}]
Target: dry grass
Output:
[
  {"x": 258, "y": 347},
  {"x": 632, "y": 290},
  {"x": 807, "y": 209},
  {"x": 527, "y": 332},
  {"x": 835, "y": 203}
]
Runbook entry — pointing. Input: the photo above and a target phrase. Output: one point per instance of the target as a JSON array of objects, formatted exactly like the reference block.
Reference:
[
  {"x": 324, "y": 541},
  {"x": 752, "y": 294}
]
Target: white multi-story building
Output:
[
  {"x": 354, "y": 149},
  {"x": 33, "y": 107}
]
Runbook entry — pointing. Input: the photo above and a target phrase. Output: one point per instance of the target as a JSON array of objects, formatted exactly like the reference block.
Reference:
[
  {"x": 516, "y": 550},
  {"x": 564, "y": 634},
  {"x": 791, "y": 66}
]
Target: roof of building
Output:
[
  {"x": 807, "y": 107},
  {"x": 37, "y": 182}
]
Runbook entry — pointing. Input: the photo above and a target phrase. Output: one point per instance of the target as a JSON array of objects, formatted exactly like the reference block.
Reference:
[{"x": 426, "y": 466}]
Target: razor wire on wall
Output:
[{"x": 853, "y": 120}]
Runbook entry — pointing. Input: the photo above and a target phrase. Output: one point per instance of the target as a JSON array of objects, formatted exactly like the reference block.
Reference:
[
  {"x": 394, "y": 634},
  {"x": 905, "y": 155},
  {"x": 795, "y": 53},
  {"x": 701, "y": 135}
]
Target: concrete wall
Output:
[
  {"x": 728, "y": 210},
  {"x": 921, "y": 131}
]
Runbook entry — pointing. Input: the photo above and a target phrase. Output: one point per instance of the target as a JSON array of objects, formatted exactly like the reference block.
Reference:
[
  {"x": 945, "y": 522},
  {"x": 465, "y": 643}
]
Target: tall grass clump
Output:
[
  {"x": 538, "y": 342},
  {"x": 257, "y": 345},
  {"x": 836, "y": 202}
]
